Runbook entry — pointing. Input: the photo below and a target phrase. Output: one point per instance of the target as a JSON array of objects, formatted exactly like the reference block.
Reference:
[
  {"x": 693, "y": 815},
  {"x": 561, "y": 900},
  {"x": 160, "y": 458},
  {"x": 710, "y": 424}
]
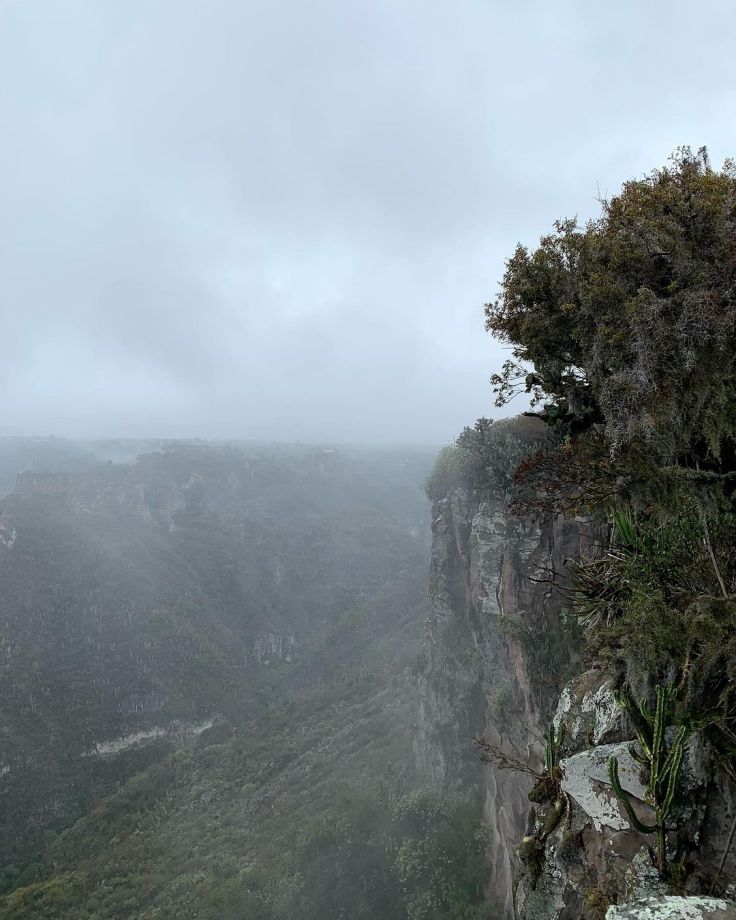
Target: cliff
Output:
[
  {"x": 501, "y": 663},
  {"x": 496, "y": 656}
]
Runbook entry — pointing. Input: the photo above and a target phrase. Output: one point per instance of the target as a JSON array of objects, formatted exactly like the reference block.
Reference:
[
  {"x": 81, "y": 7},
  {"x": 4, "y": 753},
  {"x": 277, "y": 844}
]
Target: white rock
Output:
[
  {"x": 674, "y": 907},
  {"x": 585, "y": 777},
  {"x": 642, "y": 878},
  {"x": 607, "y": 714},
  {"x": 138, "y": 739},
  {"x": 563, "y": 706}
]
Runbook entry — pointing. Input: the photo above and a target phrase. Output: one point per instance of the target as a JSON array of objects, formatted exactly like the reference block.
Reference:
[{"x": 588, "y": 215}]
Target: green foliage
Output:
[
  {"x": 652, "y": 563},
  {"x": 299, "y": 815},
  {"x": 147, "y": 596},
  {"x": 654, "y": 611},
  {"x": 624, "y": 335},
  {"x": 486, "y": 456},
  {"x": 661, "y": 759},
  {"x": 53, "y": 898},
  {"x": 552, "y": 742},
  {"x": 629, "y": 323},
  {"x": 452, "y": 469},
  {"x": 135, "y": 598},
  {"x": 411, "y": 856},
  {"x": 547, "y": 787},
  {"x": 498, "y": 448},
  {"x": 8, "y": 877},
  {"x": 441, "y": 860}
]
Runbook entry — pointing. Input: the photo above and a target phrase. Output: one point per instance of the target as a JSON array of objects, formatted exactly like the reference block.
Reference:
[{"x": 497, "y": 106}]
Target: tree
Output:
[{"x": 627, "y": 326}]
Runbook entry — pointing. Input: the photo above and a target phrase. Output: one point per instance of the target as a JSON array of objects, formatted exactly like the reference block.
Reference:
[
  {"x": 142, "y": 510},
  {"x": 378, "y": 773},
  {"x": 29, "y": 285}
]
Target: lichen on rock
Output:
[{"x": 674, "y": 907}]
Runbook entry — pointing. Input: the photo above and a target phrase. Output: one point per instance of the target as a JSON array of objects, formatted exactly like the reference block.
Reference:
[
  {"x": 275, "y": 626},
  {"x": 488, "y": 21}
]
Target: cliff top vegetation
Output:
[
  {"x": 624, "y": 336},
  {"x": 625, "y": 329}
]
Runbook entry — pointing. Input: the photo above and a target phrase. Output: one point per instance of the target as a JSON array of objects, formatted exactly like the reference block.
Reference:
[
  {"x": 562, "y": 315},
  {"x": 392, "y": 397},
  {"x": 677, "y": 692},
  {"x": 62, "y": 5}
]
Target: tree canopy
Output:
[
  {"x": 624, "y": 334},
  {"x": 626, "y": 326}
]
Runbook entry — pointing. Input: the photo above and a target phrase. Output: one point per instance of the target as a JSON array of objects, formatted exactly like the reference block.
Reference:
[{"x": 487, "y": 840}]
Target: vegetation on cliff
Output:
[
  {"x": 627, "y": 326},
  {"x": 487, "y": 456},
  {"x": 624, "y": 336}
]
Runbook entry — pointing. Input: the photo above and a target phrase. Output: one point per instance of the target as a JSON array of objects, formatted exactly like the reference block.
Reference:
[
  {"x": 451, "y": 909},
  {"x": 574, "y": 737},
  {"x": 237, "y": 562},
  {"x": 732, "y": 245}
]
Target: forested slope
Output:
[{"x": 228, "y": 637}]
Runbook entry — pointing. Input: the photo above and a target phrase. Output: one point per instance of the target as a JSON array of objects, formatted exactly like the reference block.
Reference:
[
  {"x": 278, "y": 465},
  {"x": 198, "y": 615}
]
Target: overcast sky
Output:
[{"x": 281, "y": 219}]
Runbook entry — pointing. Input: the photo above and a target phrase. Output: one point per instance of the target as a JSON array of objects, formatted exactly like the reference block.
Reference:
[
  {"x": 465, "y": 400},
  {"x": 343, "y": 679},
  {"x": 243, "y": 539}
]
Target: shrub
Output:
[
  {"x": 628, "y": 323},
  {"x": 487, "y": 456}
]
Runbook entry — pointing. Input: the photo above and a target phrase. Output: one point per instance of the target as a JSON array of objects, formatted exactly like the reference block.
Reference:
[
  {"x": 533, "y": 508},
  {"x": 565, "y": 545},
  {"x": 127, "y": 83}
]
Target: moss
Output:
[
  {"x": 553, "y": 816},
  {"x": 596, "y": 903},
  {"x": 531, "y": 856},
  {"x": 545, "y": 789},
  {"x": 570, "y": 847}
]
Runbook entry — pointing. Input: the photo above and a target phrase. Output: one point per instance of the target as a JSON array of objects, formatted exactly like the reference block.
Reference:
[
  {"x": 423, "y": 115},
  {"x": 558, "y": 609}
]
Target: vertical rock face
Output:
[
  {"x": 495, "y": 658},
  {"x": 595, "y": 862},
  {"x": 500, "y": 664}
]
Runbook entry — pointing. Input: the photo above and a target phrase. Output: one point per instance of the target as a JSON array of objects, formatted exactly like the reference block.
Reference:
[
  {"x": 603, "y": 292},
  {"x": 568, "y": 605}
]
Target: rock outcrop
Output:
[
  {"x": 595, "y": 858},
  {"x": 497, "y": 653},
  {"x": 675, "y": 907}
]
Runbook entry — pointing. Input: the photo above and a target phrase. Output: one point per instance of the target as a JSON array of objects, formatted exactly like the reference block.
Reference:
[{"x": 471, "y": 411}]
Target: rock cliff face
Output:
[
  {"x": 500, "y": 664},
  {"x": 496, "y": 655},
  {"x": 594, "y": 862}
]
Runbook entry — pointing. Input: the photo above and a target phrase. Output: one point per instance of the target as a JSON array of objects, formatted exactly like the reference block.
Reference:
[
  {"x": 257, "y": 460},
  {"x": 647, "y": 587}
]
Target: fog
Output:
[{"x": 281, "y": 220}]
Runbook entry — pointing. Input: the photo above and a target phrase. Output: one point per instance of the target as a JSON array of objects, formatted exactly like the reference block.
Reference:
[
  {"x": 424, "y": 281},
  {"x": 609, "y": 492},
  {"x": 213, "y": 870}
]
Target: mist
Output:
[{"x": 281, "y": 220}]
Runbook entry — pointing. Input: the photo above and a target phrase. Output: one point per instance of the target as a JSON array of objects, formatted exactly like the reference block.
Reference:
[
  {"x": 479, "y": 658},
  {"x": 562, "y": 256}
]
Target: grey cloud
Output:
[{"x": 281, "y": 220}]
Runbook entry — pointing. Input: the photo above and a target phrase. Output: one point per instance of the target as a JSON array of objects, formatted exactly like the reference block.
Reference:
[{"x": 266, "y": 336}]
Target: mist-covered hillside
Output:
[{"x": 223, "y": 624}]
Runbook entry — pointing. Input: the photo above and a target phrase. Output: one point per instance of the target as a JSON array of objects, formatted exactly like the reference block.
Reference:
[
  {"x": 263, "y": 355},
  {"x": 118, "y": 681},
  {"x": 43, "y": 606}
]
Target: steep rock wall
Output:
[
  {"x": 594, "y": 862},
  {"x": 500, "y": 664},
  {"x": 495, "y": 658}
]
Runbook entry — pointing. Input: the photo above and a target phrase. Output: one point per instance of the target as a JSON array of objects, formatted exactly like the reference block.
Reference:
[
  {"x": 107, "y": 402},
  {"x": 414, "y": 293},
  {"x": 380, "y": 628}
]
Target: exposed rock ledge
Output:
[
  {"x": 180, "y": 731},
  {"x": 674, "y": 908},
  {"x": 480, "y": 679}
]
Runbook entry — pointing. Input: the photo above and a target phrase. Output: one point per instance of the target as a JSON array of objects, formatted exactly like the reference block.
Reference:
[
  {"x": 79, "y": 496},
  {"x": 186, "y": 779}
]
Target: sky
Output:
[{"x": 280, "y": 220}]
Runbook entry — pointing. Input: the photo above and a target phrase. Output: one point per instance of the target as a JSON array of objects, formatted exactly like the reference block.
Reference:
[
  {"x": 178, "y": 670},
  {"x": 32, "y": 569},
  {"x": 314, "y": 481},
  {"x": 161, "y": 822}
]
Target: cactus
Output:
[
  {"x": 547, "y": 786},
  {"x": 663, "y": 765},
  {"x": 545, "y": 790},
  {"x": 552, "y": 742}
]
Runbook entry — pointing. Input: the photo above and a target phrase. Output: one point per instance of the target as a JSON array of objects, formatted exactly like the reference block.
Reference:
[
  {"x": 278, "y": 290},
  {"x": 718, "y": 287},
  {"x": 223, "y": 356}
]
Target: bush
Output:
[
  {"x": 656, "y": 612},
  {"x": 628, "y": 324},
  {"x": 487, "y": 456}
]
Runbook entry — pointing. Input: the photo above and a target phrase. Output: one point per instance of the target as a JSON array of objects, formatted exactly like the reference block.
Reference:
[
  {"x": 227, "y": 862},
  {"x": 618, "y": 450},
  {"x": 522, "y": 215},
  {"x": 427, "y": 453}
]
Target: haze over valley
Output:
[{"x": 367, "y": 460}]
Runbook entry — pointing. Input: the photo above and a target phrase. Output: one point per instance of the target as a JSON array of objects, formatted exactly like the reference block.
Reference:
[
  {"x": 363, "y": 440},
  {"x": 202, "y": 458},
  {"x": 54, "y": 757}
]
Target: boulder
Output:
[{"x": 585, "y": 777}]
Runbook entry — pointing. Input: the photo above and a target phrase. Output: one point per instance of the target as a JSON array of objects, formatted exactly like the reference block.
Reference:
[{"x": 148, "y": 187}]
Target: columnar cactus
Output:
[
  {"x": 552, "y": 742},
  {"x": 662, "y": 761}
]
